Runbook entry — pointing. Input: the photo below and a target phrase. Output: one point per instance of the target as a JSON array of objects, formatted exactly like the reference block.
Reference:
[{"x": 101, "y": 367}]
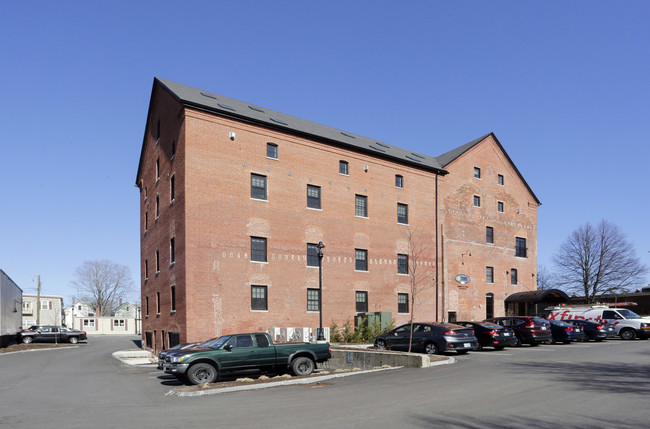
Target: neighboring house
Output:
[
  {"x": 42, "y": 310},
  {"x": 77, "y": 310},
  {"x": 10, "y": 305},
  {"x": 235, "y": 198},
  {"x": 107, "y": 325},
  {"x": 127, "y": 310}
]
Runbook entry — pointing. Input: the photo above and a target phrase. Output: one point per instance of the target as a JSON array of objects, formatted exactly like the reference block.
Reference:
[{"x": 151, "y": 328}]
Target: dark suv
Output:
[{"x": 528, "y": 330}]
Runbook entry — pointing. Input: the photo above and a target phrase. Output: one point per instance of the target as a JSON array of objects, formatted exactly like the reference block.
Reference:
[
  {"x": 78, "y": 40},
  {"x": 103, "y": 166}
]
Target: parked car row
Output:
[{"x": 496, "y": 332}]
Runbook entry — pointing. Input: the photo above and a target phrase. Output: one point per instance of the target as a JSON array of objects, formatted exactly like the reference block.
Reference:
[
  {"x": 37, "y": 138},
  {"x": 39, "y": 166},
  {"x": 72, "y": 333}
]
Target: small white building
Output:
[
  {"x": 77, "y": 310},
  {"x": 42, "y": 310}
]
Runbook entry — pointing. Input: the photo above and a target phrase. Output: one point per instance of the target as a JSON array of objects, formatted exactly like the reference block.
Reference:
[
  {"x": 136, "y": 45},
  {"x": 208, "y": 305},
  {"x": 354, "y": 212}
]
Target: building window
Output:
[
  {"x": 344, "y": 168},
  {"x": 173, "y": 148},
  {"x": 360, "y": 260},
  {"x": 312, "y": 300},
  {"x": 489, "y": 305},
  {"x": 362, "y": 301},
  {"x": 146, "y": 269},
  {"x": 402, "y": 302},
  {"x": 513, "y": 276},
  {"x": 173, "y": 297},
  {"x": 312, "y": 255},
  {"x": 489, "y": 275},
  {"x": 520, "y": 247},
  {"x": 172, "y": 251},
  {"x": 118, "y": 323},
  {"x": 402, "y": 264},
  {"x": 500, "y": 207},
  {"x": 157, "y": 170},
  {"x": 45, "y": 305},
  {"x": 146, "y": 221},
  {"x": 399, "y": 181},
  {"x": 89, "y": 323},
  {"x": 259, "y": 298},
  {"x": 489, "y": 235},
  {"x": 402, "y": 213},
  {"x": 146, "y": 306},
  {"x": 158, "y": 130},
  {"x": 258, "y": 249},
  {"x": 500, "y": 179},
  {"x": 172, "y": 188},
  {"x": 258, "y": 186},
  {"x": 157, "y": 206},
  {"x": 157, "y": 262},
  {"x": 272, "y": 150},
  {"x": 477, "y": 201},
  {"x": 477, "y": 173},
  {"x": 157, "y": 302},
  {"x": 361, "y": 206},
  {"x": 313, "y": 197}
]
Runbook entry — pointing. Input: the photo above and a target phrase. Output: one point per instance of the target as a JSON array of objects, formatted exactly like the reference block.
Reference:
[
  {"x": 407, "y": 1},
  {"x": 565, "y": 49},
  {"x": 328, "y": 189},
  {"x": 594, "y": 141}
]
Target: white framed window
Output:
[
  {"x": 89, "y": 323},
  {"x": 119, "y": 323},
  {"x": 45, "y": 304}
]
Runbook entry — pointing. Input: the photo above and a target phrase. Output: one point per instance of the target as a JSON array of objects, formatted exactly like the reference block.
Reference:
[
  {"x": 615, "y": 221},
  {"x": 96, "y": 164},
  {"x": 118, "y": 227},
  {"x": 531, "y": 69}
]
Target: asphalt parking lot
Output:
[{"x": 584, "y": 385}]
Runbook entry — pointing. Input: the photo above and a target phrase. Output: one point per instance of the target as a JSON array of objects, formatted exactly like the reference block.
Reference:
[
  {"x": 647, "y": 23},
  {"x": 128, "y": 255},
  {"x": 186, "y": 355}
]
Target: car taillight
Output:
[
  {"x": 569, "y": 328},
  {"x": 530, "y": 325},
  {"x": 448, "y": 333},
  {"x": 493, "y": 333}
]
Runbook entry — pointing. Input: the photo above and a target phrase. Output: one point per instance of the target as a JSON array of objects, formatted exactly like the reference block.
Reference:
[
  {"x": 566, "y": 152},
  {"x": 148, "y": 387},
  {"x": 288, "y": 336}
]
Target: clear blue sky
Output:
[{"x": 564, "y": 85}]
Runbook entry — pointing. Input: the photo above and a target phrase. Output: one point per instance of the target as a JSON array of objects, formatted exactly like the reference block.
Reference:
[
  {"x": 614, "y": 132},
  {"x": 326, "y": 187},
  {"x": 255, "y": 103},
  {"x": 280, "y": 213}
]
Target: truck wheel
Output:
[
  {"x": 627, "y": 334},
  {"x": 201, "y": 373},
  {"x": 302, "y": 366},
  {"x": 73, "y": 340},
  {"x": 27, "y": 340}
]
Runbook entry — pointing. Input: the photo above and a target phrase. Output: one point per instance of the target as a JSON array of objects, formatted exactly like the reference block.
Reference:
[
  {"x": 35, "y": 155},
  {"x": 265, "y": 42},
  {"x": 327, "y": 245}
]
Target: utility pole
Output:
[{"x": 38, "y": 301}]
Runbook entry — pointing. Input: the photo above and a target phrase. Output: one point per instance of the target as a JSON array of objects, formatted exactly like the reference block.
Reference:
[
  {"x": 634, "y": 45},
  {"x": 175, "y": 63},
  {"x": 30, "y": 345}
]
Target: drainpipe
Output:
[{"x": 437, "y": 246}]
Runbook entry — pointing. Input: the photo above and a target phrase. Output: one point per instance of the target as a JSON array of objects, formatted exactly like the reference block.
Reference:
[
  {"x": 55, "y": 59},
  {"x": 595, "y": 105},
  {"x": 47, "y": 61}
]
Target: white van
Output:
[{"x": 628, "y": 324}]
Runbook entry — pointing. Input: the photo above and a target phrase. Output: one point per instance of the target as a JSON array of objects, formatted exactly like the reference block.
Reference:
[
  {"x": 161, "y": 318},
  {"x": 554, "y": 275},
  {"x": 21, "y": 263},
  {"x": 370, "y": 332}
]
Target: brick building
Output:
[{"x": 236, "y": 197}]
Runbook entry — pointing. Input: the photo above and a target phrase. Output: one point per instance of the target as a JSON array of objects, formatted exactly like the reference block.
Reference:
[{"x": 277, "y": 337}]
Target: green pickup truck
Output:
[{"x": 238, "y": 352}]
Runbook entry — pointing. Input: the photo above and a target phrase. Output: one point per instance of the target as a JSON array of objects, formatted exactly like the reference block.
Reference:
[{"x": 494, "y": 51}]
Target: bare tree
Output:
[
  {"x": 421, "y": 276},
  {"x": 103, "y": 284},
  {"x": 546, "y": 280},
  {"x": 598, "y": 260}
]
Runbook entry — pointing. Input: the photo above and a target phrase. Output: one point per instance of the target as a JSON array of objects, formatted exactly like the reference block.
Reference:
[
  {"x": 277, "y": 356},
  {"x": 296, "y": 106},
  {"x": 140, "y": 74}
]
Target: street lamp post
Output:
[{"x": 320, "y": 247}]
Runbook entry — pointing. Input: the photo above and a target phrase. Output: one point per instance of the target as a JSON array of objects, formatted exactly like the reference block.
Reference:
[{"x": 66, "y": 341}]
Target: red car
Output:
[{"x": 528, "y": 330}]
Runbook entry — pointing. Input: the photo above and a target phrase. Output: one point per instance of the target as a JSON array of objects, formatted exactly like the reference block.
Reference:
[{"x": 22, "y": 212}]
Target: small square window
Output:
[
  {"x": 489, "y": 275},
  {"x": 513, "y": 276},
  {"x": 362, "y": 301},
  {"x": 344, "y": 168},
  {"x": 402, "y": 302},
  {"x": 477, "y": 201},
  {"x": 402, "y": 264},
  {"x": 500, "y": 179},
  {"x": 258, "y": 186},
  {"x": 360, "y": 259},
  {"x": 272, "y": 150},
  {"x": 500, "y": 207},
  {"x": 477, "y": 173},
  {"x": 312, "y": 300},
  {"x": 489, "y": 235},
  {"x": 399, "y": 181},
  {"x": 258, "y": 249},
  {"x": 402, "y": 213},
  {"x": 313, "y": 197},
  {"x": 361, "y": 206},
  {"x": 259, "y": 299}
]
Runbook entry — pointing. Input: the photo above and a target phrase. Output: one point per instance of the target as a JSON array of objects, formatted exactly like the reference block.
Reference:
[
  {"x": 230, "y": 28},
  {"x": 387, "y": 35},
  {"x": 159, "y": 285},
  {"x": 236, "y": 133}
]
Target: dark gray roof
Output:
[{"x": 249, "y": 112}]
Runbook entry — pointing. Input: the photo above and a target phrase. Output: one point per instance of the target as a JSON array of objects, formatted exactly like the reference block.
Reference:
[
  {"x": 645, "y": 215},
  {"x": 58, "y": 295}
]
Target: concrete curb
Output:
[
  {"x": 136, "y": 357},
  {"x": 273, "y": 384}
]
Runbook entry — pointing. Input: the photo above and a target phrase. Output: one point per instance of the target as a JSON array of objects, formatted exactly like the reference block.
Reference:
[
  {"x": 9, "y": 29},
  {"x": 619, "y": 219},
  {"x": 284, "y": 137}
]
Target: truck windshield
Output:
[
  {"x": 628, "y": 314},
  {"x": 215, "y": 343}
]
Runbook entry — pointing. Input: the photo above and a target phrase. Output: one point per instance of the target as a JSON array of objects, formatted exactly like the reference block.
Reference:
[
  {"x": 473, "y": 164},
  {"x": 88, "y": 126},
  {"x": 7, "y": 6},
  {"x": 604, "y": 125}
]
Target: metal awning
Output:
[{"x": 538, "y": 296}]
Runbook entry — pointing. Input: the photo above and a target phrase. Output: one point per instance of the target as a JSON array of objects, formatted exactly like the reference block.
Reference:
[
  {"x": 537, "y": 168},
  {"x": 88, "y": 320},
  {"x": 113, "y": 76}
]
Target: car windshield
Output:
[
  {"x": 214, "y": 343},
  {"x": 629, "y": 314}
]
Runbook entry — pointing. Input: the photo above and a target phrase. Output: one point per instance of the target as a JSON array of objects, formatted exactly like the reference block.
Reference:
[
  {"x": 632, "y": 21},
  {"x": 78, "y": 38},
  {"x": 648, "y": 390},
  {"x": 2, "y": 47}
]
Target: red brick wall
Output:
[{"x": 213, "y": 218}]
